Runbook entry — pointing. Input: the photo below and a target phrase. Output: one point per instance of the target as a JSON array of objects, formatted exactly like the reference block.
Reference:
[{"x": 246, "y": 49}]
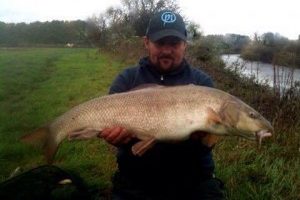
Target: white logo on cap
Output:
[{"x": 168, "y": 17}]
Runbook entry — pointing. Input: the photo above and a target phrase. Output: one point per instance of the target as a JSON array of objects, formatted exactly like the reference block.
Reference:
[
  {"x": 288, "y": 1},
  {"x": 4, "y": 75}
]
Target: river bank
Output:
[{"x": 281, "y": 77}]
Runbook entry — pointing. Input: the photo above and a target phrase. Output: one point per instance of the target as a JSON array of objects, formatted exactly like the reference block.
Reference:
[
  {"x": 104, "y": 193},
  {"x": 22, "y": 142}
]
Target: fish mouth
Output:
[{"x": 260, "y": 135}]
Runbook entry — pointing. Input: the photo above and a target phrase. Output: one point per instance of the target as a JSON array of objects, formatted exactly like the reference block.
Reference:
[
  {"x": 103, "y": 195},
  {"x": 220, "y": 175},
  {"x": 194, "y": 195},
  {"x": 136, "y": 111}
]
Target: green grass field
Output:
[{"x": 39, "y": 84}]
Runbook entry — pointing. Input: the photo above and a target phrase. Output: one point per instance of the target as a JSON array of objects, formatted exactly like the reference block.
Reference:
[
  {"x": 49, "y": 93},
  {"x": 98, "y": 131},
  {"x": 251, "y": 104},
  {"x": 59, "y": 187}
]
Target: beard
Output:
[{"x": 166, "y": 63}]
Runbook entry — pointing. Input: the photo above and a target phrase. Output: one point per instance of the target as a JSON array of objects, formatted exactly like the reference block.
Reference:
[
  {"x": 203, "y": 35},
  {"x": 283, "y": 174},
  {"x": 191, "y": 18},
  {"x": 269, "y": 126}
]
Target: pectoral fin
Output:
[
  {"x": 213, "y": 117},
  {"x": 210, "y": 140},
  {"x": 142, "y": 146},
  {"x": 83, "y": 134},
  {"x": 215, "y": 125}
]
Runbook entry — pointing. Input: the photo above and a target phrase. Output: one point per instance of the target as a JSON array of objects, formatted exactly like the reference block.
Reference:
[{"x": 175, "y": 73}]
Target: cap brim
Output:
[{"x": 165, "y": 33}]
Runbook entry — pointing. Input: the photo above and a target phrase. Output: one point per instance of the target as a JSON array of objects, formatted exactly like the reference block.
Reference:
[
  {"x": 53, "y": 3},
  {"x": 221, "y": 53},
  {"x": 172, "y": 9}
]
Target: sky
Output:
[{"x": 245, "y": 17}]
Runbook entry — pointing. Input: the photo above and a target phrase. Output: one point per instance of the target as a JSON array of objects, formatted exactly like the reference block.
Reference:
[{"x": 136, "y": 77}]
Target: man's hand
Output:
[
  {"x": 116, "y": 136},
  {"x": 207, "y": 139}
]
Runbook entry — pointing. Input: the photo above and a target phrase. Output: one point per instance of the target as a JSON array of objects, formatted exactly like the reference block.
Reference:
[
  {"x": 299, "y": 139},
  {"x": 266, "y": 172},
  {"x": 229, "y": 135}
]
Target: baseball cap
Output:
[{"x": 166, "y": 23}]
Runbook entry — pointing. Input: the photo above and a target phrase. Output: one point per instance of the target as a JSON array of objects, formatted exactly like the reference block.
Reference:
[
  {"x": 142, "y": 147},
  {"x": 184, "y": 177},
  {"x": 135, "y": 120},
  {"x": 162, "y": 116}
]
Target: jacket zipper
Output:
[{"x": 161, "y": 78}]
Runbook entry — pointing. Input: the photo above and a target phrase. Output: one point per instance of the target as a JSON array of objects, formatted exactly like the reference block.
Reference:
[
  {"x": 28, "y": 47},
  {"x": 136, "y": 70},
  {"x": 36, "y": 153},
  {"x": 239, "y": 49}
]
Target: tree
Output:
[
  {"x": 236, "y": 42},
  {"x": 132, "y": 19},
  {"x": 268, "y": 39},
  {"x": 139, "y": 12},
  {"x": 193, "y": 30},
  {"x": 96, "y": 30}
]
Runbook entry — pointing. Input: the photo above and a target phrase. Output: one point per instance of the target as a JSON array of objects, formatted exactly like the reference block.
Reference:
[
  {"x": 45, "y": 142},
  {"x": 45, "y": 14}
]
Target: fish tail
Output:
[{"x": 42, "y": 137}]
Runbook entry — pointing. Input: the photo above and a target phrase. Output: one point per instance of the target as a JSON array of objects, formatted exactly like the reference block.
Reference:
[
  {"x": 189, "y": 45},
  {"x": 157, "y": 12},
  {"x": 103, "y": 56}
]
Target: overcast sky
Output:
[{"x": 214, "y": 16}]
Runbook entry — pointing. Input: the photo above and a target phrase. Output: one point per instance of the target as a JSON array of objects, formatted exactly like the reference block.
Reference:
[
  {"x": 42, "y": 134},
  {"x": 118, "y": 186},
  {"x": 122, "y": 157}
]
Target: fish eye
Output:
[{"x": 253, "y": 115}]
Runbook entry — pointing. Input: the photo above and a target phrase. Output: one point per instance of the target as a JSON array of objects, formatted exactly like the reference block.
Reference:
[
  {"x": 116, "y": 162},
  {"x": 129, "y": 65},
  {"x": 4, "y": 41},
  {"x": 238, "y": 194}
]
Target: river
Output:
[{"x": 263, "y": 72}]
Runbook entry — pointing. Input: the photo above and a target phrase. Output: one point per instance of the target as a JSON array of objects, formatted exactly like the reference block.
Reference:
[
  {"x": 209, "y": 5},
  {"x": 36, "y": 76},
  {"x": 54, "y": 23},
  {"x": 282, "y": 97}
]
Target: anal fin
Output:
[
  {"x": 142, "y": 146},
  {"x": 83, "y": 134}
]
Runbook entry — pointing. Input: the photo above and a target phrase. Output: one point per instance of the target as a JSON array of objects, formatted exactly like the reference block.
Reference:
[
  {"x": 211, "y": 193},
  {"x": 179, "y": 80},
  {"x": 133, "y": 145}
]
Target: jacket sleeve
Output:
[
  {"x": 202, "y": 78},
  {"x": 207, "y": 82},
  {"x": 123, "y": 81}
]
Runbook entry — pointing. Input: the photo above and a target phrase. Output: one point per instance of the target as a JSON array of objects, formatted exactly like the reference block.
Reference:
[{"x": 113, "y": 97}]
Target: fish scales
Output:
[{"x": 141, "y": 110}]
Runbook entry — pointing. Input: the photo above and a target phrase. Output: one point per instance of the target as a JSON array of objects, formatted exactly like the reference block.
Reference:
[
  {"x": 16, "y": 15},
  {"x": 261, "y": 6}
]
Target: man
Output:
[{"x": 167, "y": 171}]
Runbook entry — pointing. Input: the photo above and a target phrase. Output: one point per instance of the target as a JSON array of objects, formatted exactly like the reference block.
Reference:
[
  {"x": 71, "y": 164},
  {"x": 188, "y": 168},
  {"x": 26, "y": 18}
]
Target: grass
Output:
[{"x": 39, "y": 84}]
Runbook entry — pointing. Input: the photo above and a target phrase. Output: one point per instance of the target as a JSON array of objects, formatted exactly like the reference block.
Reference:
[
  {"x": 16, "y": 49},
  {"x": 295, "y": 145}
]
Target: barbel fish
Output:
[{"x": 156, "y": 113}]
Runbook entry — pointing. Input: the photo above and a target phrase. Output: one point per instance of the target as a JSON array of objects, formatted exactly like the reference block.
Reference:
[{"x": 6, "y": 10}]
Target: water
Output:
[{"x": 263, "y": 72}]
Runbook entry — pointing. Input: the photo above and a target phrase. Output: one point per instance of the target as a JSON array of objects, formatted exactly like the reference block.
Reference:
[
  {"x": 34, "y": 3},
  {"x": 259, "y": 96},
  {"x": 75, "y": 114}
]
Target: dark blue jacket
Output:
[{"x": 182, "y": 163}]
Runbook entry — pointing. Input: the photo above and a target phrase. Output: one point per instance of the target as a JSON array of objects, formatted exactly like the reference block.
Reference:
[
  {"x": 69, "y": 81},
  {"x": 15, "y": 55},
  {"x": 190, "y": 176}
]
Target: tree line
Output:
[
  {"x": 118, "y": 27},
  {"x": 43, "y": 33},
  {"x": 273, "y": 48},
  {"x": 107, "y": 29},
  {"x": 117, "y": 24}
]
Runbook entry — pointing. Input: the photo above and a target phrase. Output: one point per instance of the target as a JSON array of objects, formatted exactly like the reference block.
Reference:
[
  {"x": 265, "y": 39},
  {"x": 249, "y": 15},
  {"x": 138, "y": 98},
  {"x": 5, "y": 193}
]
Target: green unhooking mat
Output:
[{"x": 45, "y": 182}]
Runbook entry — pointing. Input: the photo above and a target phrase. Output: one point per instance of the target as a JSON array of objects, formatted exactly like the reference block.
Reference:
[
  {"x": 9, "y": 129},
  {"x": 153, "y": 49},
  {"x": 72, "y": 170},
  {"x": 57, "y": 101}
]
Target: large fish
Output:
[{"x": 156, "y": 113}]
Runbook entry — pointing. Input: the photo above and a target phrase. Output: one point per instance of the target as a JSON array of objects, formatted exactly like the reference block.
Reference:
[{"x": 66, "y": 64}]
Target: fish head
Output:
[{"x": 244, "y": 121}]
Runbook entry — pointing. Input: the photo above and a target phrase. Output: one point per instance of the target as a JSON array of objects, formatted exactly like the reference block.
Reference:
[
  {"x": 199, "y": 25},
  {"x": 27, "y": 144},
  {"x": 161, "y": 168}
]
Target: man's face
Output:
[{"x": 167, "y": 53}]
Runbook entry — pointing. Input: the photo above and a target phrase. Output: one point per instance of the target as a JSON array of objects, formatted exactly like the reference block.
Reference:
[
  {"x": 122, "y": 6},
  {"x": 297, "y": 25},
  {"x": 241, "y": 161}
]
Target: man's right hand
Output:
[{"x": 116, "y": 136}]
